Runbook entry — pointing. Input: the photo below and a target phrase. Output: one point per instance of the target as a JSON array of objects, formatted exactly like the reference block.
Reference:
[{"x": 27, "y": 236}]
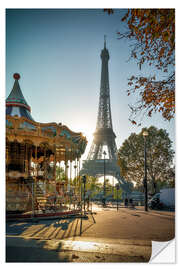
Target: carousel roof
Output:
[
  {"x": 24, "y": 128},
  {"x": 16, "y": 103}
]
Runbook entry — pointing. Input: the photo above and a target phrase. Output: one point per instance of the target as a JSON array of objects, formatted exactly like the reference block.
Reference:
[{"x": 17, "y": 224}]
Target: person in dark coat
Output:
[
  {"x": 126, "y": 202},
  {"x": 131, "y": 202}
]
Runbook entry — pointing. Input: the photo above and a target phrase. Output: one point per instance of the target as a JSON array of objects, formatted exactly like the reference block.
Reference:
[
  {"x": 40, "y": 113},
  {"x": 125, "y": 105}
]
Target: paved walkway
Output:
[
  {"x": 122, "y": 224},
  {"x": 127, "y": 233},
  {"x": 80, "y": 250}
]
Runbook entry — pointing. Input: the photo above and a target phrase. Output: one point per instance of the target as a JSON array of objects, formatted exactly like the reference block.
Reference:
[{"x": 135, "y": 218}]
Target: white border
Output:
[{"x": 62, "y": 4}]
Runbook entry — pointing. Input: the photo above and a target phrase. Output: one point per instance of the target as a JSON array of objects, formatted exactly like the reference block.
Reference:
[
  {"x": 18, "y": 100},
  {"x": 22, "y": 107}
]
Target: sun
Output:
[{"x": 88, "y": 134}]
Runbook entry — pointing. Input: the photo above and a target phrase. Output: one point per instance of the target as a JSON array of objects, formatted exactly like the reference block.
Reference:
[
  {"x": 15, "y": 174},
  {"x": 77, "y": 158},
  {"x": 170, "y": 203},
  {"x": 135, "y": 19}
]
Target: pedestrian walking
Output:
[
  {"x": 104, "y": 201},
  {"x": 126, "y": 202},
  {"x": 131, "y": 202},
  {"x": 88, "y": 203}
]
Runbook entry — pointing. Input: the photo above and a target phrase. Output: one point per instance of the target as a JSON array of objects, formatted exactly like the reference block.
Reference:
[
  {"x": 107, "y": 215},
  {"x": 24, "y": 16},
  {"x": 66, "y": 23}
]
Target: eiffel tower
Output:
[{"x": 104, "y": 136}]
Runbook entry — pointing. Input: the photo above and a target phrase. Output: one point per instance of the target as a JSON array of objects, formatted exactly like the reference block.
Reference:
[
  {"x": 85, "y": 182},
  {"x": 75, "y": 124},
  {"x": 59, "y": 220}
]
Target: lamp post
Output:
[
  {"x": 84, "y": 182},
  {"x": 145, "y": 134},
  {"x": 104, "y": 186},
  {"x": 117, "y": 188}
]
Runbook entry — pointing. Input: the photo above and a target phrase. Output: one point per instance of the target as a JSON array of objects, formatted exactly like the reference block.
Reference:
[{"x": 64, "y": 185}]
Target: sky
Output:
[{"x": 57, "y": 54}]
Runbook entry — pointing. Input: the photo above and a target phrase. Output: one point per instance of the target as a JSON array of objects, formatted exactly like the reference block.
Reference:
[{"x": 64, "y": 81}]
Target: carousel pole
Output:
[
  {"x": 26, "y": 169},
  {"x": 31, "y": 164},
  {"x": 33, "y": 184},
  {"x": 65, "y": 163},
  {"x": 75, "y": 174},
  {"x": 67, "y": 177},
  {"x": 79, "y": 185},
  {"x": 78, "y": 173},
  {"x": 55, "y": 170},
  {"x": 70, "y": 168},
  {"x": 45, "y": 170},
  {"x": 66, "y": 170},
  {"x": 7, "y": 155},
  {"x": 79, "y": 182},
  {"x": 67, "y": 167},
  {"x": 24, "y": 156},
  {"x": 24, "y": 165}
]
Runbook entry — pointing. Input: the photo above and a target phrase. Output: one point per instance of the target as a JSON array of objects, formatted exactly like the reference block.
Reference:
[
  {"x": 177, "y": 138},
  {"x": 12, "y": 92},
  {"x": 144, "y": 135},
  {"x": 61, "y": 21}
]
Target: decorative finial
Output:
[
  {"x": 104, "y": 41},
  {"x": 16, "y": 76}
]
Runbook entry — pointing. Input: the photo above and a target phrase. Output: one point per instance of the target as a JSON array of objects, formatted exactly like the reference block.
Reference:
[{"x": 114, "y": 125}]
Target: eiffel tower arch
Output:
[{"x": 104, "y": 136}]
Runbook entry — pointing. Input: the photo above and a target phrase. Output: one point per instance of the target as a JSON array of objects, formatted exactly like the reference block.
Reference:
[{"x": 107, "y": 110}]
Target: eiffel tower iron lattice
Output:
[{"x": 104, "y": 136}]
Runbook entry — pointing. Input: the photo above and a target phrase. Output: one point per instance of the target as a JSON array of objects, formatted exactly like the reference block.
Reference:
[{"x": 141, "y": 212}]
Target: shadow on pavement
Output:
[
  {"x": 16, "y": 228},
  {"x": 51, "y": 229},
  {"x": 88, "y": 226},
  {"x": 29, "y": 250}
]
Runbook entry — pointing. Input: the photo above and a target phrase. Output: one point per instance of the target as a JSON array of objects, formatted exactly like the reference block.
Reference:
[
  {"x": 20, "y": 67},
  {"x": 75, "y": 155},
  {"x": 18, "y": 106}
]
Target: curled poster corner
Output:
[{"x": 163, "y": 252}]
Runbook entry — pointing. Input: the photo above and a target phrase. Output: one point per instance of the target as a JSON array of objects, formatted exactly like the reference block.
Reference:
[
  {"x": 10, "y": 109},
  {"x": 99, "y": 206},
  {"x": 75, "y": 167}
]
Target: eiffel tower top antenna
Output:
[{"x": 104, "y": 41}]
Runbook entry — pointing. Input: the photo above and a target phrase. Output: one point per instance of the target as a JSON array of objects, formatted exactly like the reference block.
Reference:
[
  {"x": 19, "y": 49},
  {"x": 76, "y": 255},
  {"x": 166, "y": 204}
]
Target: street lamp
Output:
[
  {"x": 84, "y": 182},
  {"x": 117, "y": 188},
  {"x": 104, "y": 193},
  {"x": 145, "y": 134}
]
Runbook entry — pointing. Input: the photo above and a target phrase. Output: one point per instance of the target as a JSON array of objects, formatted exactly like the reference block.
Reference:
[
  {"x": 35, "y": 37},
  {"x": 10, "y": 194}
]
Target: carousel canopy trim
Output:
[
  {"x": 9, "y": 124},
  {"x": 22, "y": 129},
  {"x": 50, "y": 129},
  {"x": 26, "y": 125}
]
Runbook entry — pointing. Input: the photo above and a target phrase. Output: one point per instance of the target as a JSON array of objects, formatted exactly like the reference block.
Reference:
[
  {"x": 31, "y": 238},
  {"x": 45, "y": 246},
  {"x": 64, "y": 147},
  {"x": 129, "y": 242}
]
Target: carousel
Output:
[{"x": 34, "y": 153}]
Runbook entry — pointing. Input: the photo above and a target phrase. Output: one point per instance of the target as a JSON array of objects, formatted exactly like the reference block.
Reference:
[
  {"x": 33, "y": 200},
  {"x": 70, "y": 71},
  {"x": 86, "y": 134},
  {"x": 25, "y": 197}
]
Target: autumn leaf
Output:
[
  {"x": 161, "y": 52},
  {"x": 130, "y": 83}
]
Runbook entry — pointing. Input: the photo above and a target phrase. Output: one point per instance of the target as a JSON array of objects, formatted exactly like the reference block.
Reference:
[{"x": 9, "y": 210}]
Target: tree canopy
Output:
[
  {"x": 159, "y": 157},
  {"x": 152, "y": 33}
]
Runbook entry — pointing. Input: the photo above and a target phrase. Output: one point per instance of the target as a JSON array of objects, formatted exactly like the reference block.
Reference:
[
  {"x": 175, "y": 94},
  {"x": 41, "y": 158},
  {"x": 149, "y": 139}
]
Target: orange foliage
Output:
[{"x": 154, "y": 31}]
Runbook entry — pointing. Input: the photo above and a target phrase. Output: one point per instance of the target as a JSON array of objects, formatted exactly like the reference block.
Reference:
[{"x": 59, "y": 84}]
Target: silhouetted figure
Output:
[
  {"x": 126, "y": 202},
  {"x": 131, "y": 202},
  {"x": 88, "y": 203},
  {"x": 103, "y": 201}
]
